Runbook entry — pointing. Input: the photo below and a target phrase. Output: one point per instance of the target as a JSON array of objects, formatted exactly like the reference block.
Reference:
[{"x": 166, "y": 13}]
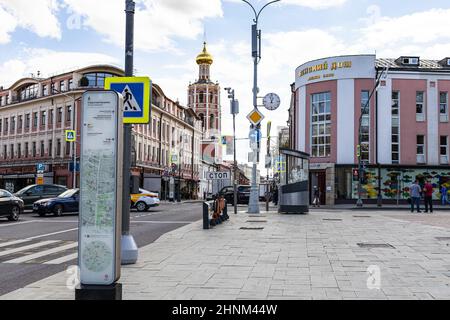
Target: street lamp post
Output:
[
  {"x": 256, "y": 54},
  {"x": 234, "y": 111},
  {"x": 364, "y": 111}
]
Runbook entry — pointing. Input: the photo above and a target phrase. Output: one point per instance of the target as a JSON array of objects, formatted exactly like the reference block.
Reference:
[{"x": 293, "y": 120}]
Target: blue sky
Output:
[{"x": 57, "y": 35}]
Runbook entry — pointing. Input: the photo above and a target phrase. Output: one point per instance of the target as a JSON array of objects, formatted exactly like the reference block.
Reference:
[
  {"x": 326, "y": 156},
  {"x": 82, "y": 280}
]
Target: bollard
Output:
[{"x": 206, "y": 222}]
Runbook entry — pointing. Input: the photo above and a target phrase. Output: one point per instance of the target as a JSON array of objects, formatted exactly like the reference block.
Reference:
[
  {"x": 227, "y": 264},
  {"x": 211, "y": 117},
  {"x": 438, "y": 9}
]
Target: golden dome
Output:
[{"x": 204, "y": 57}]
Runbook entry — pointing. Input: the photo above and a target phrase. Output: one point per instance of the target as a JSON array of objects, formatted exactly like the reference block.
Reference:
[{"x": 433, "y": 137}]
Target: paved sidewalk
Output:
[{"x": 313, "y": 256}]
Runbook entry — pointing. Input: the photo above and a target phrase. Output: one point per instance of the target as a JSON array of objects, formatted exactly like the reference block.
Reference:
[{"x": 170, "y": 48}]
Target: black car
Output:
[
  {"x": 35, "y": 192},
  {"x": 243, "y": 194},
  {"x": 10, "y": 206},
  {"x": 66, "y": 202}
]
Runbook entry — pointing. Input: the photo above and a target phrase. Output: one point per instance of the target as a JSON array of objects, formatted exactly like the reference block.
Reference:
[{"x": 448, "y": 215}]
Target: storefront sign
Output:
[
  {"x": 336, "y": 68},
  {"x": 101, "y": 188}
]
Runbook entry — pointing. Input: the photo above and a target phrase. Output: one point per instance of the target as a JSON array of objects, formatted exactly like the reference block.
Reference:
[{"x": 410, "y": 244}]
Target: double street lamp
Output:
[{"x": 256, "y": 54}]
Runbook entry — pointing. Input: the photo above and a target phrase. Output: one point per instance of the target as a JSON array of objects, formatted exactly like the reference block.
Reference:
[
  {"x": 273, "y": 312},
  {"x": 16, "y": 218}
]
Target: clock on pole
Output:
[{"x": 271, "y": 101}]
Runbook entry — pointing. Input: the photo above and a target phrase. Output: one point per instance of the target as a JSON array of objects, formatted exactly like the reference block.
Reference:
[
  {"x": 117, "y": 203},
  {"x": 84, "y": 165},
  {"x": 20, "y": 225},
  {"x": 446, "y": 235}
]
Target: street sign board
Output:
[
  {"x": 174, "y": 159},
  {"x": 217, "y": 175},
  {"x": 136, "y": 92},
  {"x": 40, "y": 167},
  {"x": 40, "y": 179},
  {"x": 100, "y": 184},
  {"x": 71, "y": 136},
  {"x": 255, "y": 117}
]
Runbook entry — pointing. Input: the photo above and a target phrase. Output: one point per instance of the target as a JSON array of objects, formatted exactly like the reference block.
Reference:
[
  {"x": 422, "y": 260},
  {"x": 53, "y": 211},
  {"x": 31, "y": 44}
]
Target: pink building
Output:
[{"x": 405, "y": 127}]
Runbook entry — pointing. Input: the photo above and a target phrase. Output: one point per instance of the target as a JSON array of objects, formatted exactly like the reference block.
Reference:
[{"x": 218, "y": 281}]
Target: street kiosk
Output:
[{"x": 294, "y": 181}]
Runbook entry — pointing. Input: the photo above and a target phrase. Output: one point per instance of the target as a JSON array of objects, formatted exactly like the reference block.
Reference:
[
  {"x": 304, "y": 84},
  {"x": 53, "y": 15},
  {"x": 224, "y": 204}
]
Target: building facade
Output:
[
  {"x": 404, "y": 126},
  {"x": 35, "y": 112}
]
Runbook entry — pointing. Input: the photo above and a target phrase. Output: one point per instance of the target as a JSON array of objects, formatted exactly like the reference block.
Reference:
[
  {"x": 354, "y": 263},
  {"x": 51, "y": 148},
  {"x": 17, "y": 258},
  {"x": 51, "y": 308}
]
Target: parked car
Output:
[
  {"x": 243, "y": 194},
  {"x": 11, "y": 206},
  {"x": 144, "y": 200},
  {"x": 35, "y": 192},
  {"x": 67, "y": 201}
]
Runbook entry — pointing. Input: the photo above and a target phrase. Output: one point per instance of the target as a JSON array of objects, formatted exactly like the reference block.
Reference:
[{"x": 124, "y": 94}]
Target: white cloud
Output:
[
  {"x": 48, "y": 62},
  {"x": 157, "y": 22},
  {"x": 37, "y": 16}
]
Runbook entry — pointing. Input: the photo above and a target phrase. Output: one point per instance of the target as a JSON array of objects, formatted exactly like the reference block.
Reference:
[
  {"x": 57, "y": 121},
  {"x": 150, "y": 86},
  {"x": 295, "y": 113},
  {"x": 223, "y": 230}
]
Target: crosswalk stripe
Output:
[
  {"x": 31, "y": 246},
  {"x": 42, "y": 253},
  {"x": 11, "y": 243},
  {"x": 70, "y": 257}
]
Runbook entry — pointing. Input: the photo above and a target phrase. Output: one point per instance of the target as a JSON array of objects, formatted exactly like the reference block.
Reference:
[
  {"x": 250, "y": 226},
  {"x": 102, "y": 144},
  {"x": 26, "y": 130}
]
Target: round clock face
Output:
[{"x": 272, "y": 101}]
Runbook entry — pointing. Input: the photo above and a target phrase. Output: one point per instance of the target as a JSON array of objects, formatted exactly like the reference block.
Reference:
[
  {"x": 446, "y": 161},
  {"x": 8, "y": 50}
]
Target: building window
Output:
[
  {"x": 5, "y": 129},
  {"x": 52, "y": 88},
  {"x": 395, "y": 138},
  {"x": 60, "y": 112},
  {"x": 154, "y": 128},
  {"x": 444, "y": 149},
  {"x": 211, "y": 121},
  {"x": 27, "y": 150},
  {"x": 321, "y": 125},
  {"x": 68, "y": 114},
  {"x": 420, "y": 106},
  {"x": 97, "y": 79},
  {"x": 11, "y": 151},
  {"x": 50, "y": 148},
  {"x": 443, "y": 107},
  {"x": 34, "y": 151},
  {"x": 50, "y": 117},
  {"x": 365, "y": 127},
  {"x": 27, "y": 121},
  {"x": 58, "y": 147},
  {"x": 13, "y": 124},
  {"x": 5, "y": 153},
  {"x": 0, "y": 126},
  {"x": 20, "y": 122},
  {"x": 19, "y": 150},
  {"x": 45, "y": 90},
  {"x": 70, "y": 84},
  {"x": 153, "y": 154},
  {"x": 67, "y": 148},
  {"x": 62, "y": 86},
  {"x": 421, "y": 149},
  {"x": 163, "y": 132},
  {"x": 28, "y": 92},
  {"x": 43, "y": 117},
  {"x": 201, "y": 97},
  {"x": 35, "y": 120},
  {"x": 42, "y": 149}
]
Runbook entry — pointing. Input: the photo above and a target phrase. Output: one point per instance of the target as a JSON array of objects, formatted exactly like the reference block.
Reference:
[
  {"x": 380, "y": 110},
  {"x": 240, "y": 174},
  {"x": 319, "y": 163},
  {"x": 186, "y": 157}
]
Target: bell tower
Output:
[{"x": 204, "y": 99}]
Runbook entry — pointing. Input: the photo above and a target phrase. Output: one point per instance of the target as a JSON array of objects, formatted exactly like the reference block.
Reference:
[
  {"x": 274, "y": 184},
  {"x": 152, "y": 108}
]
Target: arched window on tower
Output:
[
  {"x": 211, "y": 122},
  {"x": 201, "y": 97},
  {"x": 211, "y": 96}
]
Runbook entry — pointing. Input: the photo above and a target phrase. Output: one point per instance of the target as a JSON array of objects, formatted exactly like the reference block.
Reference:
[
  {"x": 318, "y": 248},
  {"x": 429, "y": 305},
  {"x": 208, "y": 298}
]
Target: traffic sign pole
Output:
[{"x": 129, "y": 247}]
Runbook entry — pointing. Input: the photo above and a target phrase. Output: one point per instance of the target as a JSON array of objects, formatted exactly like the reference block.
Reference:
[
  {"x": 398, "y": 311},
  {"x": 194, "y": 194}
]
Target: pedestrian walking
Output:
[
  {"x": 316, "y": 201},
  {"x": 414, "y": 193},
  {"x": 444, "y": 195},
  {"x": 275, "y": 196},
  {"x": 428, "y": 196}
]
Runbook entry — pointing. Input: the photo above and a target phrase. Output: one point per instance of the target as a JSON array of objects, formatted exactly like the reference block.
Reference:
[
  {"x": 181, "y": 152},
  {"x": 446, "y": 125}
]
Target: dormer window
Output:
[
  {"x": 445, "y": 63},
  {"x": 409, "y": 61}
]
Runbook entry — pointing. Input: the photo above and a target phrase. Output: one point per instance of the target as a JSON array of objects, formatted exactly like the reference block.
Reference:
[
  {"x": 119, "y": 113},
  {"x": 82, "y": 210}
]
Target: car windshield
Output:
[
  {"x": 5, "y": 194},
  {"x": 68, "y": 193}
]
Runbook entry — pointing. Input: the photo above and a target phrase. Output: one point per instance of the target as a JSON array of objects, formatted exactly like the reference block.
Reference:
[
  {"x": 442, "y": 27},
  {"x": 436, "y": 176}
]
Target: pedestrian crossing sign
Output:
[
  {"x": 71, "y": 136},
  {"x": 136, "y": 94}
]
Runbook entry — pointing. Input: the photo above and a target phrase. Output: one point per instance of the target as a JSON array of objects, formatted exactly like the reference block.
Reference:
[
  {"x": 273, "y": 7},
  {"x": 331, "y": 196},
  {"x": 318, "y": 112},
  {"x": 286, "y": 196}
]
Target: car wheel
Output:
[
  {"x": 15, "y": 214},
  {"x": 58, "y": 210},
  {"x": 141, "y": 206}
]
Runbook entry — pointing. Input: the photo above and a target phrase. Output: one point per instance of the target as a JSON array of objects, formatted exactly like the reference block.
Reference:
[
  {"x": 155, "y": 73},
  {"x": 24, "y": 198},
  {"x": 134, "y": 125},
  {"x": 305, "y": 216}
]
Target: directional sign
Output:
[
  {"x": 217, "y": 175},
  {"x": 137, "y": 96},
  {"x": 255, "y": 117},
  {"x": 71, "y": 136}
]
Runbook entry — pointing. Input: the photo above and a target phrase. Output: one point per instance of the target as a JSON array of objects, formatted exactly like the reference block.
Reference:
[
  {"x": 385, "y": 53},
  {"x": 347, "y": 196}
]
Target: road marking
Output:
[
  {"x": 42, "y": 253},
  {"x": 68, "y": 258},
  {"x": 165, "y": 222},
  {"x": 31, "y": 246},
  {"x": 51, "y": 234},
  {"x": 16, "y": 223},
  {"x": 11, "y": 243}
]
